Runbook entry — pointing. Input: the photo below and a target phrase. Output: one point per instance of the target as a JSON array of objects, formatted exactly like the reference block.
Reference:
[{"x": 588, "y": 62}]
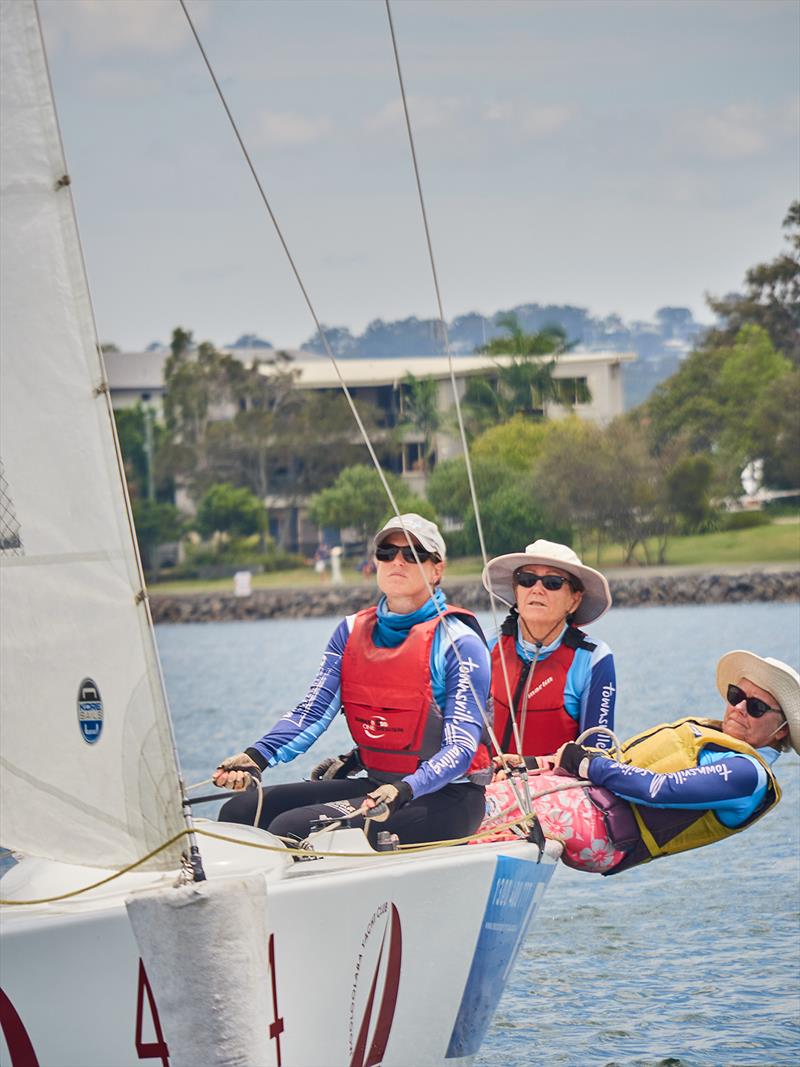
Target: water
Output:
[{"x": 692, "y": 960}]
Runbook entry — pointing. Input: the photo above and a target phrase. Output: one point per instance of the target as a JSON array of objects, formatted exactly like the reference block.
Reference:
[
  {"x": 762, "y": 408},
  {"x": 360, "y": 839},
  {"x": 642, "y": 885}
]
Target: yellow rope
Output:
[
  {"x": 103, "y": 881},
  {"x": 300, "y": 852}
]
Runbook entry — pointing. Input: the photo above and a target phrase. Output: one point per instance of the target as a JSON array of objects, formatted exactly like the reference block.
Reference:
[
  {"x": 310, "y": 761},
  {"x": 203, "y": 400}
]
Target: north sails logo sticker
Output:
[
  {"x": 90, "y": 711},
  {"x": 386, "y": 973}
]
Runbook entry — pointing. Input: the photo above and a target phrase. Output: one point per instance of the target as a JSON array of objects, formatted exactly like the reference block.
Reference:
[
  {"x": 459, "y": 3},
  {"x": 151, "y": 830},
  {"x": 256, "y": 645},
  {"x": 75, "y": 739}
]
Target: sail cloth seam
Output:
[
  {"x": 63, "y": 557},
  {"x": 324, "y": 339},
  {"x": 449, "y": 354}
]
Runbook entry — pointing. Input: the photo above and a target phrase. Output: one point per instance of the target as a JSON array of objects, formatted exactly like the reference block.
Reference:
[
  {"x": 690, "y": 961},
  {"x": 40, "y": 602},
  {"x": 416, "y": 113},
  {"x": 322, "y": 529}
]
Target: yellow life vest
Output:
[{"x": 675, "y": 747}]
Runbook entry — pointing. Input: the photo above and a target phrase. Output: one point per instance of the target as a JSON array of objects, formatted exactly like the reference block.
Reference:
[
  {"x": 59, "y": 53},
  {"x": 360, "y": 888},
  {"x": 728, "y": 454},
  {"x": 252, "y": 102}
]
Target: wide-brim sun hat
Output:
[
  {"x": 498, "y": 577},
  {"x": 773, "y": 675},
  {"x": 422, "y": 530}
]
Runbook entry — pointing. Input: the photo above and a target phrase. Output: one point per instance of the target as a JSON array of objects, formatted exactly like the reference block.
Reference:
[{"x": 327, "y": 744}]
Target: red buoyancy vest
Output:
[
  {"x": 548, "y": 725},
  {"x": 388, "y": 700}
]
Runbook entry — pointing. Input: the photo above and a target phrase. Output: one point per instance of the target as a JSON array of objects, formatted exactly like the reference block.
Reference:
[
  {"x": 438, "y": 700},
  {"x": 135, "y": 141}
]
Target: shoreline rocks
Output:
[{"x": 639, "y": 590}]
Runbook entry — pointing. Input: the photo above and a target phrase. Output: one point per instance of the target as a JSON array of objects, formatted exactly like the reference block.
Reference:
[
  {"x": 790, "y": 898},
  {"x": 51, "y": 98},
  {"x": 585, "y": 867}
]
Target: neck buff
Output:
[
  {"x": 392, "y": 629},
  {"x": 527, "y": 651}
]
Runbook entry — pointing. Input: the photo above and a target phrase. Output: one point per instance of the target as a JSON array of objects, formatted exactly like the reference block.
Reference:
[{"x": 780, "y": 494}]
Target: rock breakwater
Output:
[{"x": 643, "y": 589}]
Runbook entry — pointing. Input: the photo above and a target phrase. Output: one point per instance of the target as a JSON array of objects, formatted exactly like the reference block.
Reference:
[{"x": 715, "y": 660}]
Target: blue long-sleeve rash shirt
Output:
[
  {"x": 460, "y": 688},
  {"x": 732, "y": 785},
  {"x": 590, "y": 692}
]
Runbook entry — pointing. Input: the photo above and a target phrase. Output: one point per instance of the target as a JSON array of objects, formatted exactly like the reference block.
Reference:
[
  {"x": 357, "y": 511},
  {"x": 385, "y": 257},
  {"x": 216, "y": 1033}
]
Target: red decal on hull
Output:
[
  {"x": 147, "y": 1050},
  {"x": 383, "y": 1025},
  {"x": 19, "y": 1044},
  {"x": 276, "y": 1027}
]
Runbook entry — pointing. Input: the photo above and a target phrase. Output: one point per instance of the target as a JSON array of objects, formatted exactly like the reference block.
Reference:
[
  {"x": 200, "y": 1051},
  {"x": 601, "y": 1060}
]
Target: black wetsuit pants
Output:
[{"x": 289, "y": 810}]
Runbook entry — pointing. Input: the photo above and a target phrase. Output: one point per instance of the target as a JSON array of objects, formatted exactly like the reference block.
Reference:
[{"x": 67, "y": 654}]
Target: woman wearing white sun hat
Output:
[
  {"x": 560, "y": 683},
  {"x": 675, "y": 787}
]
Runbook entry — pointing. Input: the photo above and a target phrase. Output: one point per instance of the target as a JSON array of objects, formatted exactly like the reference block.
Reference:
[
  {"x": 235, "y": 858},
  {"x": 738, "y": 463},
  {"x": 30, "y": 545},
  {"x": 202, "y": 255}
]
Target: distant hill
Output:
[{"x": 660, "y": 345}]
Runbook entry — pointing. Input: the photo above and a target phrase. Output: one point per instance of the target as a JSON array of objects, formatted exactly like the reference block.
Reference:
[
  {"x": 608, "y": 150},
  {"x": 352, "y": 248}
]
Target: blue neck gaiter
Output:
[{"x": 392, "y": 629}]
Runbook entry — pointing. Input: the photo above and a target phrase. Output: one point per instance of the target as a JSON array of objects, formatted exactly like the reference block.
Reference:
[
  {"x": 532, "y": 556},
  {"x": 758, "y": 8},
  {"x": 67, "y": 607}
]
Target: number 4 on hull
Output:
[{"x": 149, "y": 1050}]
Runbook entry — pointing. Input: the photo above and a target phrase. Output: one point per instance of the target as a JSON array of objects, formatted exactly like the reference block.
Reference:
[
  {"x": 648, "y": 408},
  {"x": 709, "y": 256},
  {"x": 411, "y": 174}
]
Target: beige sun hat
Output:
[
  {"x": 773, "y": 675},
  {"x": 498, "y": 577},
  {"x": 423, "y": 530}
]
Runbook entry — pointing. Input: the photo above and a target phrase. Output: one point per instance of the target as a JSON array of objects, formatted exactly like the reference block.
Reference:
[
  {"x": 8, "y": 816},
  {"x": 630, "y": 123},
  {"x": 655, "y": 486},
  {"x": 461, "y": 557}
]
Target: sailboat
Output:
[{"x": 129, "y": 932}]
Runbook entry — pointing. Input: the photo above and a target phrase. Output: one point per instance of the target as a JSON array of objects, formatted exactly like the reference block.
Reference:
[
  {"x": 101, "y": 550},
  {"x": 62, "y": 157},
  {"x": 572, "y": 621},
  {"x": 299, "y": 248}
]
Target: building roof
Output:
[
  {"x": 318, "y": 372},
  {"x": 142, "y": 371}
]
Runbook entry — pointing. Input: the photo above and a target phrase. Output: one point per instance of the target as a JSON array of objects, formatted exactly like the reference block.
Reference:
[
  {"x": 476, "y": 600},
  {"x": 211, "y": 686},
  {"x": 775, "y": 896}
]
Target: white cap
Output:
[
  {"x": 773, "y": 675},
  {"x": 422, "y": 530}
]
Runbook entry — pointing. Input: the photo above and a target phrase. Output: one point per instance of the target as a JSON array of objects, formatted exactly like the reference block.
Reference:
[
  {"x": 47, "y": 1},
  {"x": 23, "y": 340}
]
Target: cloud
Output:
[
  {"x": 734, "y": 132},
  {"x": 124, "y": 84},
  {"x": 284, "y": 129},
  {"x": 530, "y": 120},
  {"x": 100, "y": 26},
  {"x": 427, "y": 113}
]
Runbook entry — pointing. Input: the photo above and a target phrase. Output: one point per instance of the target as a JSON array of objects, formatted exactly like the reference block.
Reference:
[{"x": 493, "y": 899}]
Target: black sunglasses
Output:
[
  {"x": 550, "y": 581},
  {"x": 755, "y": 707},
  {"x": 386, "y": 553}
]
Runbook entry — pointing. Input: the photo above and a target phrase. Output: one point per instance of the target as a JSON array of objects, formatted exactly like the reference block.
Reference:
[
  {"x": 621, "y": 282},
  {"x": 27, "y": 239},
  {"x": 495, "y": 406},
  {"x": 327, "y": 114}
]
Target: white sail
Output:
[{"x": 88, "y": 772}]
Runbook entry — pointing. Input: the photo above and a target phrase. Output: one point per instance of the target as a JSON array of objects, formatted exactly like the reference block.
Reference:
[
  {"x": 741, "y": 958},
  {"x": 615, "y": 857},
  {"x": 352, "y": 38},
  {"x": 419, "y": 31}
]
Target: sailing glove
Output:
[
  {"x": 237, "y": 772},
  {"x": 575, "y": 759},
  {"x": 335, "y": 767},
  {"x": 389, "y": 798}
]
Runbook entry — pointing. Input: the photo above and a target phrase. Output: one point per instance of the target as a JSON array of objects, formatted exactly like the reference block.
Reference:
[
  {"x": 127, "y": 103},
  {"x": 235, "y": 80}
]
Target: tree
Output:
[
  {"x": 714, "y": 404},
  {"x": 774, "y": 425},
  {"x": 689, "y": 403},
  {"x": 573, "y": 479},
  {"x": 689, "y": 492},
  {"x": 421, "y": 412},
  {"x": 516, "y": 443},
  {"x": 525, "y": 383},
  {"x": 771, "y": 298},
  {"x": 510, "y": 508},
  {"x": 225, "y": 508},
  {"x": 156, "y": 523},
  {"x": 358, "y": 499},
  {"x": 132, "y": 433}
]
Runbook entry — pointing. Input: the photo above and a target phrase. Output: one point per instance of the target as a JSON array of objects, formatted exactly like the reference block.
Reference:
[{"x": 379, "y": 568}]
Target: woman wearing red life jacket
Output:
[
  {"x": 412, "y": 677},
  {"x": 557, "y": 681}
]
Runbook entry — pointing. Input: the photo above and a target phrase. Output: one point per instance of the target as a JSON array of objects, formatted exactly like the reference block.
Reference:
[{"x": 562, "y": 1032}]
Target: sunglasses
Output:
[
  {"x": 755, "y": 707},
  {"x": 386, "y": 553},
  {"x": 550, "y": 581}
]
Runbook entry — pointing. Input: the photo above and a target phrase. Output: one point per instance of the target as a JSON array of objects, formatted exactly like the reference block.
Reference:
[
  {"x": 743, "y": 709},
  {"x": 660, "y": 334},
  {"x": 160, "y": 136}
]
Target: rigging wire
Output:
[
  {"x": 449, "y": 354},
  {"x": 324, "y": 339}
]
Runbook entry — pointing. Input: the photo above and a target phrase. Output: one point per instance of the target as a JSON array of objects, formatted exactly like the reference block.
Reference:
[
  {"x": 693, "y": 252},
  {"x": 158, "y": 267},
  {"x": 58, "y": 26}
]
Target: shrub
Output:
[{"x": 743, "y": 520}]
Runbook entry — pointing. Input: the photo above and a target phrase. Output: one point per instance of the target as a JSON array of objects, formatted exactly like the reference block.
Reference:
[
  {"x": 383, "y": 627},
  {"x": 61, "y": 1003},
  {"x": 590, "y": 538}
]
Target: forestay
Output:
[{"x": 89, "y": 772}]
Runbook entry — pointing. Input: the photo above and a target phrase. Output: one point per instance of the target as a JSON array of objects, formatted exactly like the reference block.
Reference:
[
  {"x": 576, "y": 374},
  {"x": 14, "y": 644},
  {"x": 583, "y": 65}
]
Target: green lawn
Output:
[
  {"x": 760, "y": 544},
  {"x": 778, "y": 543}
]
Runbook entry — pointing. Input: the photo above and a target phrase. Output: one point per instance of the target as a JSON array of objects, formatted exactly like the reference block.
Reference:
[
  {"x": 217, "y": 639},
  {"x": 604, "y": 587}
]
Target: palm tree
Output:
[
  {"x": 421, "y": 412},
  {"x": 525, "y": 383}
]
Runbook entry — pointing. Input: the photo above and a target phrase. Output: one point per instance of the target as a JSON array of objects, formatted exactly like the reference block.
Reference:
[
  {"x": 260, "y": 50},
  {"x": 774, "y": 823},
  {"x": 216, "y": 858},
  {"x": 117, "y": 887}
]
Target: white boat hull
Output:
[{"x": 374, "y": 960}]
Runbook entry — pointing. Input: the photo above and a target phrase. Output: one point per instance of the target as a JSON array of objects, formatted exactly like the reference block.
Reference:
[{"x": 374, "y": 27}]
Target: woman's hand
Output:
[
  {"x": 574, "y": 759},
  {"x": 388, "y": 798},
  {"x": 237, "y": 773},
  {"x": 503, "y": 764}
]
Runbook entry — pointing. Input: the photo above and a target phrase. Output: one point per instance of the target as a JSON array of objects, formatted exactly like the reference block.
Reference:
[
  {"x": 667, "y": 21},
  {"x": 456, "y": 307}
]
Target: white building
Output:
[
  {"x": 379, "y": 381},
  {"x": 137, "y": 377}
]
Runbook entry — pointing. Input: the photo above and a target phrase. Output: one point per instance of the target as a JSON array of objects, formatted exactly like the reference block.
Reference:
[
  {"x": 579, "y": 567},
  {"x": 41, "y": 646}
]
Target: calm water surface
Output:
[{"x": 691, "y": 960}]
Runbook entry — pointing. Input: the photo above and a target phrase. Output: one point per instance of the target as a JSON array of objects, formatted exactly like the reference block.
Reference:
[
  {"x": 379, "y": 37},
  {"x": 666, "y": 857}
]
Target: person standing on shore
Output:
[
  {"x": 558, "y": 681},
  {"x": 412, "y": 676}
]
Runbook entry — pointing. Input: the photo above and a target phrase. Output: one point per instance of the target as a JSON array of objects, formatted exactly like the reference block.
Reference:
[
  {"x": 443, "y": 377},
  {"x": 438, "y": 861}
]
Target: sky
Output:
[{"x": 617, "y": 156}]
